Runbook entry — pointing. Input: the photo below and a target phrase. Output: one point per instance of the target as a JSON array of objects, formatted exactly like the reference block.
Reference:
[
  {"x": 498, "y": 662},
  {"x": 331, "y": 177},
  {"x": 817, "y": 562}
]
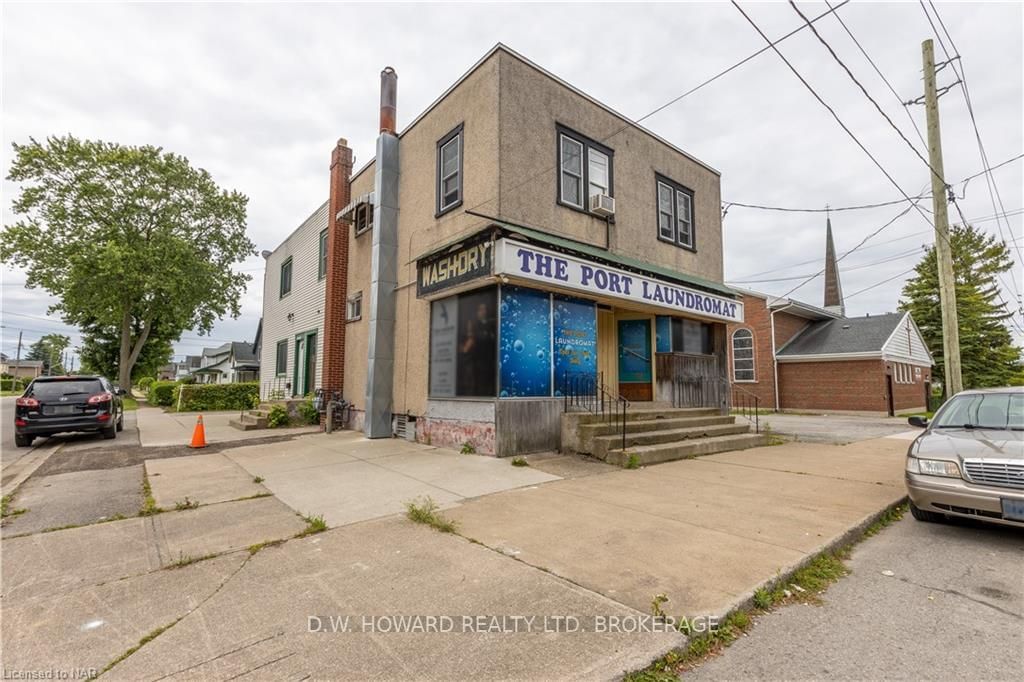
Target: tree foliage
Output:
[
  {"x": 131, "y": 238},
  {"x": 101, "y": 346},
  {"x": 987, "y": 353},
  {"x": 50, "y": 350}
]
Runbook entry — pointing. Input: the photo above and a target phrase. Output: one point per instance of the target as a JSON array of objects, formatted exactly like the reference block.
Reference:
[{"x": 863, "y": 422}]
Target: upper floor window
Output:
[
  {"x": 743, "y": 355},
  {"x": 354, "y": 307},
  {"x": 675, "y": 213},
  {"x": 322, "y": 260},
  {"x": 585, "y": 169},
  {"x": 363, "y": 217},
  {"x": 449, "y": 171},
  {"x": 286, "y": 277}
]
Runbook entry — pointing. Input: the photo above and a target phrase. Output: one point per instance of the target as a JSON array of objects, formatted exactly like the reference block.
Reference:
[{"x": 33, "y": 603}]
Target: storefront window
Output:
[
  {"x": 464, "y": 345},
  {"x": 574, "y": 324},
  {"x": 525, "y": 342},
  {"x": 678, "y": 335}
]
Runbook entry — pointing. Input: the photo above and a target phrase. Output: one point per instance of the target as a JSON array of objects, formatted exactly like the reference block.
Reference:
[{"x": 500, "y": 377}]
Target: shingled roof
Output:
[{"x": 845, "y": 335}]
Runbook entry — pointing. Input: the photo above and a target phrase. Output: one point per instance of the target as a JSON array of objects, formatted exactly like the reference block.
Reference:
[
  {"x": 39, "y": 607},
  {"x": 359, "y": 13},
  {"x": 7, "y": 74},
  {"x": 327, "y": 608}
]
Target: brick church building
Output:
[{"x": 800, "y": 357}]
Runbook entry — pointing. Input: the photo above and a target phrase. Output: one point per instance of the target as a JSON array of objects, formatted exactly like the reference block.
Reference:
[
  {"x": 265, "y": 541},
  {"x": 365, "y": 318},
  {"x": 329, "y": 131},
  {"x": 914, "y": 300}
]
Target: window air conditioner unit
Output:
[{"x": 602, "y": 205}]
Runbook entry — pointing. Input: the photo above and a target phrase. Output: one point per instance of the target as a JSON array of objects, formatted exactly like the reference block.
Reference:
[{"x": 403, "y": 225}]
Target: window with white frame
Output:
[
  {"x": 585, "y": 169},
  {"x": 675, "y": 213},
  {"x": 449, "y": 171},
  {"x": 743, "y": 355},
  {"x": 354, "y": 308}
]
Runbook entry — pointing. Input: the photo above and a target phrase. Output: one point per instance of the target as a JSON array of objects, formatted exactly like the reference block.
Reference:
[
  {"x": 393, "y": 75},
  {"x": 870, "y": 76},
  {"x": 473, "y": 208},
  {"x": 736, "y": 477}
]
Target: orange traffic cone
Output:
[{"x": 198, "y": 434}]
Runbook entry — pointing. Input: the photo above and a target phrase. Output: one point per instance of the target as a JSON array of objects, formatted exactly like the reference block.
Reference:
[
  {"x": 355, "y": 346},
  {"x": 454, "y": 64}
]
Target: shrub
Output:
[
  {"x": 278, "y": 416},
  {"x": 308, "y": 413},
  {"x": 13, "y": 384},
  {"x": 200, "y": 397},
  {"x": 145, "y": 382},
  {"x": 161, "y": 393}
]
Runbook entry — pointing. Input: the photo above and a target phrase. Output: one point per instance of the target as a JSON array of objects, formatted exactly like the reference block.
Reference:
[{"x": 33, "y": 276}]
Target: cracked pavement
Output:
[{"x": 953, "y": 609}]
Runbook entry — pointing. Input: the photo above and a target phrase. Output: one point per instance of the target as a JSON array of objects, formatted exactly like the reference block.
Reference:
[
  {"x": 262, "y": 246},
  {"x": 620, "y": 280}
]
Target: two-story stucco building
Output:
[{"x": 516, "y": 235}]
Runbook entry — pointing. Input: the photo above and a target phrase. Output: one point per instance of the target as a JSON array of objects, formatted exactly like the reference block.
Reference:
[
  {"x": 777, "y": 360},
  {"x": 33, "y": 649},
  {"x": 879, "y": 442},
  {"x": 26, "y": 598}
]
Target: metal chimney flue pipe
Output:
[{"x": 388, "y": 100}]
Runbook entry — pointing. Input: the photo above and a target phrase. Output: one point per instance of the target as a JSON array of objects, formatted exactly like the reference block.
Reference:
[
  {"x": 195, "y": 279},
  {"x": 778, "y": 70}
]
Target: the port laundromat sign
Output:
[{"x": 524, "y": 261}]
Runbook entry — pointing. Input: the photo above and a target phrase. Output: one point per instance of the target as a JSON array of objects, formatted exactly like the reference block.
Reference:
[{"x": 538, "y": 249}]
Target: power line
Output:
[
  {"x": 880, "y": 75},
  {"x": 786, "y": 209},
  {"x": 865, "y": 92},
  {"x": 878, "y": 284},
  {"x": 712, "y": 79},
  {"x": 993, "y": 188},
  {"x": 861, "y": 266}
]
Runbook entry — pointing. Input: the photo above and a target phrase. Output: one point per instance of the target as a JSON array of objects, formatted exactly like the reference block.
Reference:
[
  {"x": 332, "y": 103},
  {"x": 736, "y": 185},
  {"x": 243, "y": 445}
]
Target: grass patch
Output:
[
  {"x": 771, "y": 437},
  {"x": 804, "y": 586},
  {"x": 10, "y": 394},
  {"x": 632, "y": 462},
  {"x": 314, "y": 525},
  {"x": 187, "y": 503},
  {"x": 258, "y": 479},
  {"x": 7, "y": 509},
  {"x": 187, "y": 559},
  {"x": 520, "y": 462},
  {"x": 253, "y": 549},
  {"x": 468, "y": 448},
  {"x": 148, "y": 503},
  {"x": 130, "y": 404},
  {"x": 926, "y": 415},
  {"x": 426, "y": 512},
  {"x": 142, "y": 642}
]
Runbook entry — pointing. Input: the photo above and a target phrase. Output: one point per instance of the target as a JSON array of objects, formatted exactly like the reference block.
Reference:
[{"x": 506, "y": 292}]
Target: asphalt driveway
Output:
[{"x": 833, "y": 428}]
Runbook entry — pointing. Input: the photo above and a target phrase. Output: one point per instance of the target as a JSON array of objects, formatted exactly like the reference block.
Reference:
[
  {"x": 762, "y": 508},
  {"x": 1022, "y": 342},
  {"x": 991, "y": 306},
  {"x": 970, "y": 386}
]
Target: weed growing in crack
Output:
[{"x": 425, "y": 512}]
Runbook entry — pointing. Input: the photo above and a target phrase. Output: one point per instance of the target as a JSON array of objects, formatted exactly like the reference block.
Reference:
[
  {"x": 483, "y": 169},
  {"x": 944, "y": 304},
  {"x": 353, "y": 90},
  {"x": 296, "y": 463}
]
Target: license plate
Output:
[
  {"x": 1013, "y": 510},
  {"x": 62, "y": 409}
]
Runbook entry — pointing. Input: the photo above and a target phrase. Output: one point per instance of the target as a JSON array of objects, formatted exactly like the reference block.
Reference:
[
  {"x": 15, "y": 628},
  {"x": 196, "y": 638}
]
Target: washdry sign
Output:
[
  {"x": 524, "y": 261},
  {"x": 446, "y": 270}
]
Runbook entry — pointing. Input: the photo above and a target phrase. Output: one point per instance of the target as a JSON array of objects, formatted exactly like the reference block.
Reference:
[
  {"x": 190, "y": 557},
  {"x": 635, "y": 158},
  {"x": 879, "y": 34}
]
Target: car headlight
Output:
[{"x": 933, "y": 467}]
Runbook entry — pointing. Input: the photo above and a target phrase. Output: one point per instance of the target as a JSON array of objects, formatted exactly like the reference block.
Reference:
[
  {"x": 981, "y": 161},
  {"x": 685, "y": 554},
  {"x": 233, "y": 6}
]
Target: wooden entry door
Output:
[{"x": 635, "y": 375}]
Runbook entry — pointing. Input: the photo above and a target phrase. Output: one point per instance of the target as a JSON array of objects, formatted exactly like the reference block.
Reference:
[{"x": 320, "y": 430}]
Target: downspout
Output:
[{"x": 775, "y": 360}]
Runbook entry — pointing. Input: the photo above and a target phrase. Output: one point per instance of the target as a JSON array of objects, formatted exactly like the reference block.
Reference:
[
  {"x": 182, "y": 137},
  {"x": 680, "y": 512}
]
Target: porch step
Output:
[
  {"x": 249, "y": 421},
  {"x": 687, "y": 449},
  {"x": 588, "y": 432},
  {"x": 602, "y": 445},
  {"x": 635, "y": 414}
]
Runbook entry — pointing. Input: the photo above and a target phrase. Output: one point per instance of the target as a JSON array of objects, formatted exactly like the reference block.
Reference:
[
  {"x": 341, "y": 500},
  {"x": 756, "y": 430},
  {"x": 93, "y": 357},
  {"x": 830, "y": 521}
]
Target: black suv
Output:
[{"x": 58, "y": 404}]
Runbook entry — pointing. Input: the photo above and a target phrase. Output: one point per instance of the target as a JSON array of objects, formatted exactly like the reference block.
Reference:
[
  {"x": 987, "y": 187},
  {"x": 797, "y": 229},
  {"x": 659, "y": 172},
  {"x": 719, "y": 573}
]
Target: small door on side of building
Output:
[
  {"x": 890, "y": 399},
  {"x": 305, "y": 364},
  {"x": 635, "y": 375}
]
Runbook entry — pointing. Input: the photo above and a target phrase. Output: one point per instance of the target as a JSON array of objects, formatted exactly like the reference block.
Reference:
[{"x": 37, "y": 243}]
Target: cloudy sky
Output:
[{"x": 258, "y": 93}]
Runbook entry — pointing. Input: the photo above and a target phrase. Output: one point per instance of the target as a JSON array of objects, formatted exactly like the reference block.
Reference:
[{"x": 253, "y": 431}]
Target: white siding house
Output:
[
  {"x": 906, "y": 344},
  {"x": 293, "y": 312}
]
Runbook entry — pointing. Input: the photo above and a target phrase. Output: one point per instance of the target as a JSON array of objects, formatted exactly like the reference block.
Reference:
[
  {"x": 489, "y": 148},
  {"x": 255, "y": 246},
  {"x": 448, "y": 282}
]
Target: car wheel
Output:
[
  {"x": 23, "y": 441},
  {"x": 924, "y": 515},
  {"x": 120, "y": 422},
  {"x": 111, "y": 433}
]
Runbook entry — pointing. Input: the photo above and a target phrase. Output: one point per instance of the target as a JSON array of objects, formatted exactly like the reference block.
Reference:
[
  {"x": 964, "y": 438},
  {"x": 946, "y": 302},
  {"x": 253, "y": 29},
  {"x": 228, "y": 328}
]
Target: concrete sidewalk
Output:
[
  {"x": 159, "y": 428},
  {"x": 704, "y": 532},
  {"x": 349, "y": 478}
]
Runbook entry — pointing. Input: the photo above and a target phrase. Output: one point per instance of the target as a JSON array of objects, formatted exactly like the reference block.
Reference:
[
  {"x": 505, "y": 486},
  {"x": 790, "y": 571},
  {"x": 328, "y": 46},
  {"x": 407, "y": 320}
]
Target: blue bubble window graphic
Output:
[
  {"x": 525, "y": 343},
  {"x": 575, "y": 338}
]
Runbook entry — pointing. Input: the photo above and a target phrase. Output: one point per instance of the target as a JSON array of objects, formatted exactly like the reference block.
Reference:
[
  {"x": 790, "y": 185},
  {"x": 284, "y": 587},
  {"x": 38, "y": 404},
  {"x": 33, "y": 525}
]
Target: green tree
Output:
[
  {"x": 101, "y": 347},
  {"x": 126, "y": 238},
  {"x": 987, "y": 352},
  {"x": 50, "y": 350}
]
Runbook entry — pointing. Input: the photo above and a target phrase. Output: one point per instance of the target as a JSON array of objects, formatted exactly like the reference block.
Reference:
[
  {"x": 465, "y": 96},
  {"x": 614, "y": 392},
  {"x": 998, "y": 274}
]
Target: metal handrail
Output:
[{"x": 587, "y": 391}]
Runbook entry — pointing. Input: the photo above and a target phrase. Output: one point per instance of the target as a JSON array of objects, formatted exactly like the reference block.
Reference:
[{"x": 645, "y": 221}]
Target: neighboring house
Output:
[
  {"x": 233, "y": 362},
  {"x": 22, "y": 369},
  {"x": 796, "y": 356},
  {"x": 291, "y": 328},
  {"x": 179, "y": 370}
]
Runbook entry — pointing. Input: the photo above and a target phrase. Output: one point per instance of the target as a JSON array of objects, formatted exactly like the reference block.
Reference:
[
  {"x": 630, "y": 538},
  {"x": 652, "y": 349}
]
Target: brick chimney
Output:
[{"x": 332, "y": 372}]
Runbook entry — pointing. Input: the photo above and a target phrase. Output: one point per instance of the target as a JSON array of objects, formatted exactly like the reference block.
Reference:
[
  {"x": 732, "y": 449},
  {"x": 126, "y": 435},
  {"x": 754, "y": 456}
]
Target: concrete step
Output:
[
  {"x": 688, "y": 449},
  {"x": 586, "y": 433},
  {"x": 601, "y": 445},
  {"x": 258, "y": 413},
  {"x": 648, "y": 413},
  {"x": 245, "y": 425}
]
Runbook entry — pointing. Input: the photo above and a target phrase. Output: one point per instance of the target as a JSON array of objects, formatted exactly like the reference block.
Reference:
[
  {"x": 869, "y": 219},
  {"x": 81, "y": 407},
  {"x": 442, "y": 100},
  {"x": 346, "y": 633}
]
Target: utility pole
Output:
[
  {"x": 17, "y": 360},
  {"x": 943, "y": 252}
]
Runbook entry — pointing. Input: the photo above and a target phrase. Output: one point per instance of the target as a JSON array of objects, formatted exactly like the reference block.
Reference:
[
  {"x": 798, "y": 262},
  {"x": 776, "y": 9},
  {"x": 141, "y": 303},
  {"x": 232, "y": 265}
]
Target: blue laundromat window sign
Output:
[
  {"x": 575, "y": 338},
  {"x": 525, "y": 344},
  {"x": 663, "y": 334}
]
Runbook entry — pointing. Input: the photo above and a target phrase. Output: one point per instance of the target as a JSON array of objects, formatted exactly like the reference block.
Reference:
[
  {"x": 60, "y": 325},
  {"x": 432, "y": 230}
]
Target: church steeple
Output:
[{"x": 833, "y": 288}]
